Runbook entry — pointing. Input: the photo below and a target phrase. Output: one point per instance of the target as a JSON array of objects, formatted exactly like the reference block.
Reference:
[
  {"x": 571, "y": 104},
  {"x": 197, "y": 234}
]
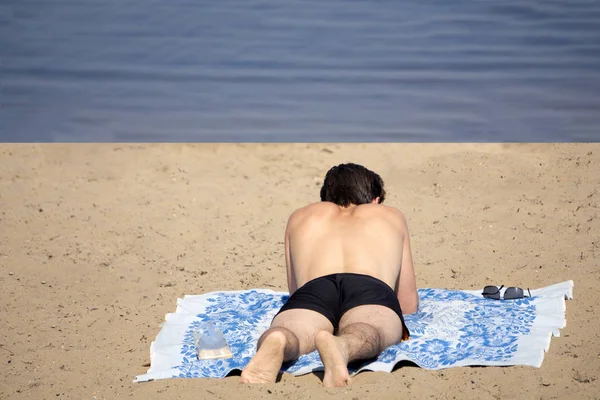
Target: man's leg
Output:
[
  {"x": 292, "y": 333},
  {"x": 364, "y": 332}
]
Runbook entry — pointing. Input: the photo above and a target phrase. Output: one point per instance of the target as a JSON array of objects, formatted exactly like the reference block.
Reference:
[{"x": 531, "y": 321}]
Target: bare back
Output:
[{"x": 370, "y": 239}]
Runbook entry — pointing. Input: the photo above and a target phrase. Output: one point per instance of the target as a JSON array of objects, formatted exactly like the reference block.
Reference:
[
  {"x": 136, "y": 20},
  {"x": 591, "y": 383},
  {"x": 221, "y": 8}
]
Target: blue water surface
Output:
[{"x": 291, "y": 70}]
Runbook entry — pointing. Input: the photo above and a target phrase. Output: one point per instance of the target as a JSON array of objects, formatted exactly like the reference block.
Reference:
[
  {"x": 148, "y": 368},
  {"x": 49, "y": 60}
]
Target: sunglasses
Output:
[{"x": 511, "y": 293}]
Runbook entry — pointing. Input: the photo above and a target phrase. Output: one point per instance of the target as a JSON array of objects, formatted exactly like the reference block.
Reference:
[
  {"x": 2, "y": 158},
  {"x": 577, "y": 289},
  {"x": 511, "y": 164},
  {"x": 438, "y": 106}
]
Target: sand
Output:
[{"x": 98, "y": 241}]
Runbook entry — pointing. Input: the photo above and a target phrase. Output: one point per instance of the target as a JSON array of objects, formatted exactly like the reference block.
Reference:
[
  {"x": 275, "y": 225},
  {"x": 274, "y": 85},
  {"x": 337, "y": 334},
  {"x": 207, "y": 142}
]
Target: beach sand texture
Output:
[{"x": 98, "y": 241}]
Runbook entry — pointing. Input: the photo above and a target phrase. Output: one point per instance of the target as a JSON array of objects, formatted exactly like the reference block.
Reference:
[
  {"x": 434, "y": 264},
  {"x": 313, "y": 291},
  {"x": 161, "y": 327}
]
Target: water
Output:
[{"x": 327, "y": 70}]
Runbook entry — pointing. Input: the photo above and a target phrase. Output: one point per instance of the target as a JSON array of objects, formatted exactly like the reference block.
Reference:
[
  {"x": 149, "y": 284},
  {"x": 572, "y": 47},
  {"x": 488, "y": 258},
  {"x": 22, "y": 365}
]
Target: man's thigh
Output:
[
  {"x": 382, "y": 318},
  {"x": 304, "y": 324}
]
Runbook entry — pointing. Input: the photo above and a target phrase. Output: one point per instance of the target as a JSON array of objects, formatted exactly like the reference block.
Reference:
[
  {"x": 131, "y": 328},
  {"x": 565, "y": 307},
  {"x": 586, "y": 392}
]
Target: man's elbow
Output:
[
  {"x": 410, "y": 310},
  {"x": 411, "y": 306}
]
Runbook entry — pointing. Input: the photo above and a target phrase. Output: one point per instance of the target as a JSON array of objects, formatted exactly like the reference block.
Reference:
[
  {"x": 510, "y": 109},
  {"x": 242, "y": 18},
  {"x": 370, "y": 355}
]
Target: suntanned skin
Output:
[
  {"x": 324, "y": 238},
  {"x": 372, "y": 239}
]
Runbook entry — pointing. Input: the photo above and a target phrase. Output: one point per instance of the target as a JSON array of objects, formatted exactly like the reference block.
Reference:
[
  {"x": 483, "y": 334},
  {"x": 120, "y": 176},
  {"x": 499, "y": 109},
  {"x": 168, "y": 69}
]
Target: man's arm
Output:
[
  {"x": 407, "y": 284},
  {"x": 291, "y": 279}
]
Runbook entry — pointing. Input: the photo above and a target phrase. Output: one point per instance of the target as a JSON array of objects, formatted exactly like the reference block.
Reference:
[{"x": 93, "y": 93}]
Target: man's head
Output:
[{"x": 348, "y": 184}]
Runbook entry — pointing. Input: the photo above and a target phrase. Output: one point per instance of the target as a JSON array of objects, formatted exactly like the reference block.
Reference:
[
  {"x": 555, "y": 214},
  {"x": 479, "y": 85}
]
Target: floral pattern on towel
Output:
[{"x": 450, "y": 328}]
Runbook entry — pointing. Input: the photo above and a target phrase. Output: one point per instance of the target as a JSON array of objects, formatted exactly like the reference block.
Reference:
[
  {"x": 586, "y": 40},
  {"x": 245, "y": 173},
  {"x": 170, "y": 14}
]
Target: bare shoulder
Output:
[
  {"x": 383, "y": 215},
  {"x": 396, "y": 214},
  {"x": 388, "y": 212},
  {"x": 313, "y": 209},
  {"x": 393, "y": 211}
]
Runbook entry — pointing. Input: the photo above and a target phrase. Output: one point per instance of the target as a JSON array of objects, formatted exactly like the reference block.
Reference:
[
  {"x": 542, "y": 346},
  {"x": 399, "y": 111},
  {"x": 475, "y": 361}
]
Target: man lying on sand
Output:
[{"x": 350, "y": 276}]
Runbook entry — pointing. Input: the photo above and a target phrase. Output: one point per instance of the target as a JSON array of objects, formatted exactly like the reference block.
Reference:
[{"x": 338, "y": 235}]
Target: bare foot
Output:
[
  {"x": 266, "y": 364},
  {"x": 335, "y": 359}
]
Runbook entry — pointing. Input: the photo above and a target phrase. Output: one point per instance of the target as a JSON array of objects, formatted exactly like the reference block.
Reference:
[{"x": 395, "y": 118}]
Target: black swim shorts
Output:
[{"x": 333, "y": 295}]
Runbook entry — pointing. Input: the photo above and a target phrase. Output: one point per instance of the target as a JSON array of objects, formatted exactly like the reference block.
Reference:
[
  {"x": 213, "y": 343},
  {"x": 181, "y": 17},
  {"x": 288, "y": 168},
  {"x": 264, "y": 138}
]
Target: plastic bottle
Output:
[{"x": 210, "y": 342}]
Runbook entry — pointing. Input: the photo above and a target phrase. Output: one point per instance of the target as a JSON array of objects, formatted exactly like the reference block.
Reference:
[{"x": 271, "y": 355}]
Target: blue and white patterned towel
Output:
[{"x": 452, "y": 328}]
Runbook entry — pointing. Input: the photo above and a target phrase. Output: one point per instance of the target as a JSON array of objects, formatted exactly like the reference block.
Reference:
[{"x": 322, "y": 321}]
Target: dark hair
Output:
[{"x": 350, "y": 183}]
